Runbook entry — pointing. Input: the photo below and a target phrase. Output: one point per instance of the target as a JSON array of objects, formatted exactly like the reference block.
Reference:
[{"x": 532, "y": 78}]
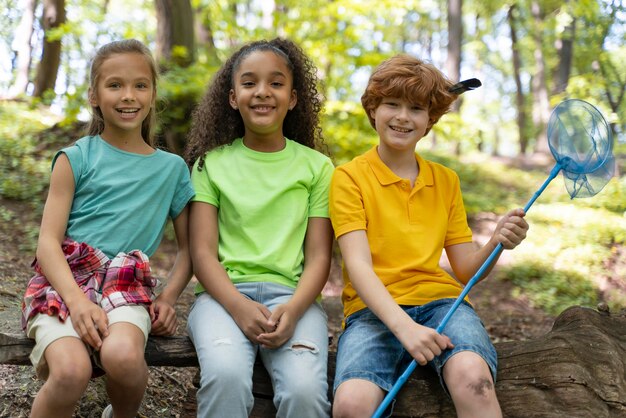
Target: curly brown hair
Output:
[
  {"x": 215, "y": 122},
  {"x": 412, "y": 79}
]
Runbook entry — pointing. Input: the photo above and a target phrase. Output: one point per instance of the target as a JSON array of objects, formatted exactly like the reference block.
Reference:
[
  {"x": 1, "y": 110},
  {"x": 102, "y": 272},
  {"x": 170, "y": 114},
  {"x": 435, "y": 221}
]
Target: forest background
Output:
[{"x": 529, "y": 54}]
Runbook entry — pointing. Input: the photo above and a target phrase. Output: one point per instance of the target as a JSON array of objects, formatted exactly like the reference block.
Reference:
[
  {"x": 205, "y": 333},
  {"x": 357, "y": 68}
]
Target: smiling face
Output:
[
  {"x": 125, "y": 93},
  {"x": 263, "y": 93},
  {"x": 400, "y": 124}
]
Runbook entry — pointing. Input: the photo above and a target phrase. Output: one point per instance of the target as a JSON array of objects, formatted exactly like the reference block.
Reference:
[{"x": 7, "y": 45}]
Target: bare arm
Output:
[
  {"x": 465, "y": 259},
  {"x": 317, "y": 256},
  {"x": 162, "y": 311},
  {"x": 421, "y": 342},
  {"x": 89, "y": 320},
  {"x": 250, "y": 316}
]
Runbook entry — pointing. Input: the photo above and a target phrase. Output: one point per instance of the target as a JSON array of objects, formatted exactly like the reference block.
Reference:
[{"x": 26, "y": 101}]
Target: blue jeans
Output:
[
  {"x": 227, "y": 358},
  {"x": 368, "y": 350}
]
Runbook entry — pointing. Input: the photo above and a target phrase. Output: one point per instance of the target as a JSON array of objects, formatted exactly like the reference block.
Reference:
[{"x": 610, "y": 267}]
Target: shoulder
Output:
[
  {"x": 439, "y": 171},
  {"x": 310, "y": 153},
  {"x": 357, "y": 167},
  {"x": 221, "y": 152},
  {"x": 76, "y": 152}
]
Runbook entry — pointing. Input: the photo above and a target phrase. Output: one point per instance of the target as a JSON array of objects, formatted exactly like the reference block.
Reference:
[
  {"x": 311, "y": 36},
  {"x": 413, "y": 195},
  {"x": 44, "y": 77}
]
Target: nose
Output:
[
  {"x": 128, "y": 95},
  {"x": 263, "y": 90},
  {"x": 403, "y": 112}
]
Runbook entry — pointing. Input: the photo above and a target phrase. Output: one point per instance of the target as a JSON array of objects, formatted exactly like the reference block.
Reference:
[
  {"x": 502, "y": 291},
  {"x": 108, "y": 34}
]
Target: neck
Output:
[
  {"x": 402, "y": 163},
  {"x": 130, "y": 142},
  {"x": 265, "y": 143}
]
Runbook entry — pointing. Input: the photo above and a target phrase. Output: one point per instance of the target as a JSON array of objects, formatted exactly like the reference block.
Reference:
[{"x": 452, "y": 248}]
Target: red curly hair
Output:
[{"x": 412, "y": 79}]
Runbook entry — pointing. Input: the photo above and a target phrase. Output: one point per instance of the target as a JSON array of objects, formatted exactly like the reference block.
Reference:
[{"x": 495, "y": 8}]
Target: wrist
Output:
[{"x": 169, "y": 296}]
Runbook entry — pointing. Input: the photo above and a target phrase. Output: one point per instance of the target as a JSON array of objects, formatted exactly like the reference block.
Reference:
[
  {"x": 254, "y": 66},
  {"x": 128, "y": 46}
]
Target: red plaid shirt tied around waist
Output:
[{"x": 124, "y": 280}]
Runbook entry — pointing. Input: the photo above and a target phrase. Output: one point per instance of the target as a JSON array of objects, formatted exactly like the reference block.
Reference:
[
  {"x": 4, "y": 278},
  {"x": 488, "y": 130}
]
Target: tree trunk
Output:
[
  {"x": 565, "y": 51},
  {"x": 48, "y": 68},
  {"x": 24, "y": 49},
  {"x": 453, "y": 59},
  {"x": 175, "y": 33},
  {"x": 577, "y": 370},
  {"x": 519, "y": 92},
  {"x": 541, "y": 103}
]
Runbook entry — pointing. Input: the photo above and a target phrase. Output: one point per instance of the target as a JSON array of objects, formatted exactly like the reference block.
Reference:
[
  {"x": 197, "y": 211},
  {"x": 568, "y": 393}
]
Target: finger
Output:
[
  {"x": 420, "y": 359},
  {"x": 91, "y": 336},
  {"x": 274, "y": 318},
  {"x": 102, "y": 323},
  {"x": 153, "y": 312},
  {"x": 265, "y": 311}
]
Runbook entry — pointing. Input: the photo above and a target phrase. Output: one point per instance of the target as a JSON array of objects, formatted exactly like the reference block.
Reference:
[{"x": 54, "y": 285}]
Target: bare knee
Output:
[
  {"x": 71, "y": 377},
  {"x": 471, "y": 386},
  {"x": 69, "y": 366},
  {"x": 123, "y": 359},
  {"x": 356, "y": 398}
]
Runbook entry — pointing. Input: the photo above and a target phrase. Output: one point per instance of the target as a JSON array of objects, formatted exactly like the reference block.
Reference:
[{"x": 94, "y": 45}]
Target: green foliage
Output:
[
  {"x": 565, "y": 253},
  {"x": 549, "y": 289},
  {"x": 347, "y": 130},
  {"x": 21, "y": 173},
  {"x": 179, "y": 89},
  {"x": 611, "y": 198},
  {"x": 489, "y": 186}
]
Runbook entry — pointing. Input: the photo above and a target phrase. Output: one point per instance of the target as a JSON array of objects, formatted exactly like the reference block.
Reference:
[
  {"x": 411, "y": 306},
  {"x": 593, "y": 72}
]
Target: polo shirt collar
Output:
[{"x": 385, "y": 176}]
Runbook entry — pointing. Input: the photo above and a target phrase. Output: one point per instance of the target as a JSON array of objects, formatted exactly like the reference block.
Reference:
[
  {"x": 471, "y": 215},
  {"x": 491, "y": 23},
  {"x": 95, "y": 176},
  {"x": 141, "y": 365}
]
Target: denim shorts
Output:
[{"x": 368, "y": 350}]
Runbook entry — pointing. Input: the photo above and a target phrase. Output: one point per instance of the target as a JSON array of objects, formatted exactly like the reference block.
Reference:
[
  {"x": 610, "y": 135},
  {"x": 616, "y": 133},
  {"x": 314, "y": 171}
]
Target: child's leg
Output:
[
  {"x": 61, "y": 358},
  {"x": 470, "y": 384},
  {"x": 357, "y": 398},
  {"x": 298, "y": 367},
  {"x": 226, "y": 360},
  {"x": 369, "y": 358},
  {"x": 122, "y": 358},
  {"x": 468, "y": 370}
]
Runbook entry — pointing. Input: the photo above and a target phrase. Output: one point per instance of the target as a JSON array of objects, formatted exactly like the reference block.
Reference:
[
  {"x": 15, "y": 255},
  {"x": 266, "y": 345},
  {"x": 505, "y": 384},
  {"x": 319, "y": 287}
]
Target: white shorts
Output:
[{"x": 46, "y": 329}]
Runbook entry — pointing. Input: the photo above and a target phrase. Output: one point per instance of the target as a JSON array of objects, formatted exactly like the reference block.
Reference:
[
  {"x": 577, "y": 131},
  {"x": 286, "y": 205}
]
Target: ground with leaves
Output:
[{"x": 505, "y": 317}]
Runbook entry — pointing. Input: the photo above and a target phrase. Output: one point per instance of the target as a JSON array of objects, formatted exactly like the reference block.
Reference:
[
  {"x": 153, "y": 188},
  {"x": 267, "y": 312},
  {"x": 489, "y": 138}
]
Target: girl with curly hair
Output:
[{"x": 260, "y": 233}]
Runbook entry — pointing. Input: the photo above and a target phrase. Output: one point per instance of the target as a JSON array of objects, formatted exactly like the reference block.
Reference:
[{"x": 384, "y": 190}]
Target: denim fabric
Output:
[
  {"x": 368, "y": 350},
  {"x": 227, "y": 358}
]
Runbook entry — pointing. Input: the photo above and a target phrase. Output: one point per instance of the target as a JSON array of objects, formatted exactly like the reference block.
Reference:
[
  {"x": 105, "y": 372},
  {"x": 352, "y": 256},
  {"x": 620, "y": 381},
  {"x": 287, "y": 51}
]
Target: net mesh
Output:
[{"x": 581, "y": 142}]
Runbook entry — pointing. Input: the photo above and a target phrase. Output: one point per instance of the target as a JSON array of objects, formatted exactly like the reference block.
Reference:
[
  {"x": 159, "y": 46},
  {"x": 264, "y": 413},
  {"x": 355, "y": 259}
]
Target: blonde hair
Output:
[
  {"x": 410, "y": 78},
  {"x": 126, "y": 46}
]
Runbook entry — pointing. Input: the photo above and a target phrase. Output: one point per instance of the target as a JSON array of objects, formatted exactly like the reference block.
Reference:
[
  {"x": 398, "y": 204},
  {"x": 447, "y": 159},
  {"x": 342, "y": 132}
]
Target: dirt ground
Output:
[{"x": 506, "y": 319}]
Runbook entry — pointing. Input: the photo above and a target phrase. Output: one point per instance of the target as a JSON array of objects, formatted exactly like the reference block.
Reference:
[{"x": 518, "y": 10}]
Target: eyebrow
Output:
[{"x": 251, "y": 73}]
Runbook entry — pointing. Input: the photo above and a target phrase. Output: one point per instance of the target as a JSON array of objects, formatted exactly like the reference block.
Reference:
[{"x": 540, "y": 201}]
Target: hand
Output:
[
  {"x": 511, "y": 229},
  {"x": 252, "y": 318},
  {"x": 283, "y": 324},
  {"x": 424, "y": 343},
  {"x": 163, "y": 317},
  {"x": 90, "y": 322}
]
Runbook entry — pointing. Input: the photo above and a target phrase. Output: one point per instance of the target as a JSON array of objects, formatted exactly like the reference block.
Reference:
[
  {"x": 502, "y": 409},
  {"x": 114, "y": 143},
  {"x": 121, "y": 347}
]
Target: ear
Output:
[
  {"x": 93, "y": 100},
  {"x": 232, "y": 99},
  {"x": 294, "y": 99}
]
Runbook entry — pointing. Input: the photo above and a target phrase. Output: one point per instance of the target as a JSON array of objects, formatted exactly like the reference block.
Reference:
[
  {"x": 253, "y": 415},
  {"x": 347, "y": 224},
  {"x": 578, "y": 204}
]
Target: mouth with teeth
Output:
[
  {"x": 262, "y": 108},
  {"x": 128, "y": 113},
  {"x": 400, "y": 129}
]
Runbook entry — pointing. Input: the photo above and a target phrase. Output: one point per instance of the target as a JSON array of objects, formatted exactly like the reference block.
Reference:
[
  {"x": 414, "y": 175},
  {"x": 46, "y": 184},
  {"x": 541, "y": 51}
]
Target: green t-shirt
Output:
[{"x": 264, "y": 201}]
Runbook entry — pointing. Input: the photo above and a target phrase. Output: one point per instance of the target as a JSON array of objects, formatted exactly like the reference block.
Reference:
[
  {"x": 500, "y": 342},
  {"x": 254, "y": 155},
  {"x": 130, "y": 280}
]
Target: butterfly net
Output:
[{"x": 581, "y": 143}]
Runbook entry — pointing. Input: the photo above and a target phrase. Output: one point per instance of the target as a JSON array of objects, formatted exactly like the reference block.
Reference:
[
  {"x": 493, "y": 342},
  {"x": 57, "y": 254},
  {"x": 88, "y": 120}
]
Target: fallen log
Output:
[{"x": 578, "y": 369}]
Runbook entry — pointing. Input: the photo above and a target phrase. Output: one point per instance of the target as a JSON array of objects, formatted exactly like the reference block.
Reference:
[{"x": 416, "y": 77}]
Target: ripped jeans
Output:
[{"x": 226, "y": 357}]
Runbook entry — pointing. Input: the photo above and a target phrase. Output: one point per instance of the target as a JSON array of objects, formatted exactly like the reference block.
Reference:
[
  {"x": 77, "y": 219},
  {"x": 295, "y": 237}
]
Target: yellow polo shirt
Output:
[{"x": 407, "y": 229}]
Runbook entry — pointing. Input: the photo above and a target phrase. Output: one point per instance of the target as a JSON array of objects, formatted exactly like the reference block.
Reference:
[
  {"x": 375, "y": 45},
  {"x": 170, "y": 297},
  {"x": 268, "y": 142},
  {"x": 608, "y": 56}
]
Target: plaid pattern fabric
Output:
[
  {"x": 125, "y": 280},
  {"x": 128, "y": 281}
]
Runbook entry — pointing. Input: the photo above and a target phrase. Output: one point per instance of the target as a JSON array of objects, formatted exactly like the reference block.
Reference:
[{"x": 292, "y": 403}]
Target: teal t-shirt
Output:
[
  {"x": 264, "y": 202},
  {"x": 122, "y": 200}
]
